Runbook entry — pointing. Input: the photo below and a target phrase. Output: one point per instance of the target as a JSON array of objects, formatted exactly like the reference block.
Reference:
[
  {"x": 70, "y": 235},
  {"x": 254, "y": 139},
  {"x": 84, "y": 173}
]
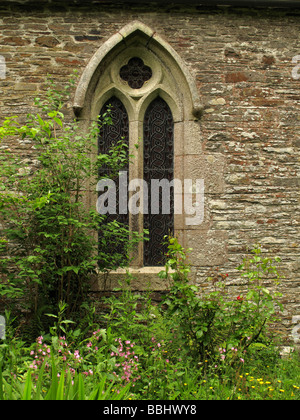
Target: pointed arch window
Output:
[
  {"x": 158, "y": 165},
  {"x": 109, "y": 135},
  {"x": 157, "y": 101}
]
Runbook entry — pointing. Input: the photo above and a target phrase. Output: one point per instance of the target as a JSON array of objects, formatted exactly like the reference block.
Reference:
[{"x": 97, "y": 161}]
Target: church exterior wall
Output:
[{"x": 245, "y": 145}]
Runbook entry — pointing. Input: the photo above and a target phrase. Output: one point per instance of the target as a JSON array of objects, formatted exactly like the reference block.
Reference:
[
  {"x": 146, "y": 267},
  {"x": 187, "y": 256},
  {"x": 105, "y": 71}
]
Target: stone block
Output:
[
  {"x": 208, "y": 247},
  {"x": 192, "y": 138},
  {"x": 47, "y": 41},
  {"x": 210, "y": 168}
]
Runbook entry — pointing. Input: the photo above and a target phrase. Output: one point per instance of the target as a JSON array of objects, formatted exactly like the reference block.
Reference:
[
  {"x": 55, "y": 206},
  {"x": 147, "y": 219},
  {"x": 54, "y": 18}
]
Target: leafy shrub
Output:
[
  {"x": 213, "y": 325},
  {"x": 48, "y": 247},
  {"x": 154, "y": 352}
]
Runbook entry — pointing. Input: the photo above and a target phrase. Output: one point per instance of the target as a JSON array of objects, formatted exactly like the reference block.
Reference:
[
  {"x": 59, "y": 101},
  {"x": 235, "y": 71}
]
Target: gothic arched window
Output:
[
  {"x": 158, "y": 165},
  {"x": 158, "y": 152},
  {"x": 156, "y": 106},
  {"x": 110, "y": 135}
]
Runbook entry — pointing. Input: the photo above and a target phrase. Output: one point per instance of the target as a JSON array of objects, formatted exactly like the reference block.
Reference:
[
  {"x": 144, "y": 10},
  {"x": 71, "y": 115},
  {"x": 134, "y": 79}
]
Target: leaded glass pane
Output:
[
  {"x": 158, "y": 164},
  {"x": 136, "y": 73},
  {"x": 108, "y": 136}
]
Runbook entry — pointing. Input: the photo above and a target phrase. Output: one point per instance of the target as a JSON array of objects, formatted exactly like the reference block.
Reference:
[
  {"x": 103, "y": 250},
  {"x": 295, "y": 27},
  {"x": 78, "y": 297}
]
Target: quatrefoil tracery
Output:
[{"x": 135, "y": 73}]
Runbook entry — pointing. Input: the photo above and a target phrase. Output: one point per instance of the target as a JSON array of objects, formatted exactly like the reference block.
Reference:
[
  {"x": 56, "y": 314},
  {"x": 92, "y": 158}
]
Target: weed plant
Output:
[{"x": 178, "y": 350}]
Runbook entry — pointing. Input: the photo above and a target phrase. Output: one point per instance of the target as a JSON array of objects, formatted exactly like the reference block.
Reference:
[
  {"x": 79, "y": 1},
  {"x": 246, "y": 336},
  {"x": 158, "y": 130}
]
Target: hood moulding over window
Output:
[
  {"x": 169, "y": 72},
  {"x": 171, "y": 81}
]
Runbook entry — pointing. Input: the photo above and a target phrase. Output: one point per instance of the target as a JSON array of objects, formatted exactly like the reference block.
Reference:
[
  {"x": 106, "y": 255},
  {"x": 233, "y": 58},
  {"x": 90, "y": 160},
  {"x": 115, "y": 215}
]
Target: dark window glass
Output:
[
  {"x": 136, "y": 73},
  {"x": 158, "y": 164},
  {"x": 108, "y": 136}
]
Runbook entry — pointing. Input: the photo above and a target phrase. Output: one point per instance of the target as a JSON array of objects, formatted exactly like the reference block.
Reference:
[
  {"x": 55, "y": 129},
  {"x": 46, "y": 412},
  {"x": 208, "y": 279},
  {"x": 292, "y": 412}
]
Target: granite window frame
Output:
[{"x": 171, "y": 81}]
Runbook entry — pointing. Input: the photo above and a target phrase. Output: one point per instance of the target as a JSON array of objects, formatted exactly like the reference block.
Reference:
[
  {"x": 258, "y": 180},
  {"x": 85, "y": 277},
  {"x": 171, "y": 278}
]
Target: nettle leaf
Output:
[{"x": 58, "y": 121}]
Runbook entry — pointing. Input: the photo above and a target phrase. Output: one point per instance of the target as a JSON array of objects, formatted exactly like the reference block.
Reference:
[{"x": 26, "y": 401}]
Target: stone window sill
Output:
[{"x": 145, "y": 278}]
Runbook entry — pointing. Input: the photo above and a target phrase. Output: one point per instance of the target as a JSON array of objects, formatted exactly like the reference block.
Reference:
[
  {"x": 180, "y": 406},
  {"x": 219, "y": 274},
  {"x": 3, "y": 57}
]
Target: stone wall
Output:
[{"x": 248, "y": 146}]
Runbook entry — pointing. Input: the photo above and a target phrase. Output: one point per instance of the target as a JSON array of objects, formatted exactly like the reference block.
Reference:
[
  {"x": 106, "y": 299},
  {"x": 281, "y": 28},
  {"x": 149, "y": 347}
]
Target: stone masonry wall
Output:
[{"x": 241, "y": 60}]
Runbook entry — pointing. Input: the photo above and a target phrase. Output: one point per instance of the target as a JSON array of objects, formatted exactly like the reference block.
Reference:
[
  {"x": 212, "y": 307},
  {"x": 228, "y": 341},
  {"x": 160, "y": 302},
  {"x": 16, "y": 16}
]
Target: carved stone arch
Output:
[
  {"x": 171, "y": 81},
  {"x": 137, "y": 35},
  {"x": 99, "y": 101},
  {"x": 167, "y": 96}
]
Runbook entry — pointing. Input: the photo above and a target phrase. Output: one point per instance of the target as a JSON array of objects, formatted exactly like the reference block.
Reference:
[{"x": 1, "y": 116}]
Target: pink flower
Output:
[
  {"x": 158, "y": 345},
  {"x": 242, "y": 360},
  {"x": 76, "y": 354}
]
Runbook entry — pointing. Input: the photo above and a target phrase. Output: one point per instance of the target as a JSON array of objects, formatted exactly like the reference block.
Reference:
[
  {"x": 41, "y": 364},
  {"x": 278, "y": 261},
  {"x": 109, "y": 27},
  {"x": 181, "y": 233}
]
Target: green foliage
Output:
[
  {"x": 212, "y": 322},
  {"x": 194, "y": 346},
  {"x": 48, "y": 244},
  {"x": 61, "y": 387}
]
